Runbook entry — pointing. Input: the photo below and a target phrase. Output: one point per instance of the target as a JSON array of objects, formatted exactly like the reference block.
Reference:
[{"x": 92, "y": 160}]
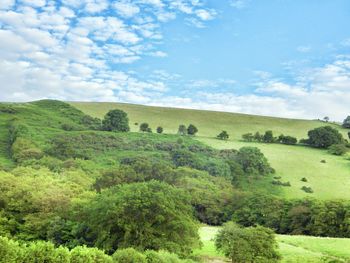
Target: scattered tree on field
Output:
[
  {"x": 192, "y": 130},
  {"x": 182, "y": 130},
  {"x": 346, "y": 122},
  {"x": 116, "y": 120},
  {"x": 159, "y": 130},
  {"x": 223, "y": 135},
  {"x": 323, "y": 137}
]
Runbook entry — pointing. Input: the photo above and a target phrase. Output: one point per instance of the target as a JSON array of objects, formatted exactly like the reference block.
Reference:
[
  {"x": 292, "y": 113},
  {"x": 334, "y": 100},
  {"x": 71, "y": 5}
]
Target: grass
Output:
[
  {"x": 210, "y": 123},
  {"x": 301, "y": 249},
  {"x": 328, "y": 180}
]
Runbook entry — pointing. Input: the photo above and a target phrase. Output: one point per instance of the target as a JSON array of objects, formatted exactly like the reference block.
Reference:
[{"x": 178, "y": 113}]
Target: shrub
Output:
[
  {"x": 277, "y": 182},
  {"x": 159, "y": 130},
  {"x": 307, "y": 189},
  {"x": 289, "y": 140},
  {"x": 338, "y": 149},
  {"x": 303, "y": 179},
  {"x": 249, "y": 137},
  {"x": 82, "y": 254},
  {"x": 129, "y": 255},
  {"x": 253, "y": 244},
  {"x": 182, "y": 130},
  {"x": 10, "y": 251},
  {"x": 23, "y": 149},
  {"x": 253, "y": 161},
  {"x": 116, "y": 120}
]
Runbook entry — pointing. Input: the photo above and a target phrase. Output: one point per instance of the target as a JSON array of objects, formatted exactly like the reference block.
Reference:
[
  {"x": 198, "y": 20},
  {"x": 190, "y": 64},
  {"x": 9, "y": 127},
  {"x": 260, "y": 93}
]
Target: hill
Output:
[
  {"x": 291, "y": 162},
  {"x": 210, "y": 123}
]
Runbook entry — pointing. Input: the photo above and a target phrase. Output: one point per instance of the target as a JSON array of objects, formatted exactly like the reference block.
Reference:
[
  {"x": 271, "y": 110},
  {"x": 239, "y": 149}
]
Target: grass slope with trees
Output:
[{"x": 76, "y": 188}]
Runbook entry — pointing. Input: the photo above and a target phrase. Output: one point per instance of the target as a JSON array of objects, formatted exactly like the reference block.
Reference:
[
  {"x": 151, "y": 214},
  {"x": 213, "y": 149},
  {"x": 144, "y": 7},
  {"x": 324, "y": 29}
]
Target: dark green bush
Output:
[{"x": 129, "y": 255}]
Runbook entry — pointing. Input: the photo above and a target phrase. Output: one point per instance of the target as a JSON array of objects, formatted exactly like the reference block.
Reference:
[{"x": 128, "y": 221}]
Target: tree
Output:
[
  {"x": 258, "y": 137},
  {"x": 349, "y": 135},
  {"x": 182, "y": 130},
  {"x": 149, "y": 215},
  {"x": 249, "y": 137},
  {"x": 287, "y": 140},
  {"x": 326, "y": 119},
  {"x": 192, "y": 130},
  {"x": 253, "y": 244},
  {"x": 253, "y": 161},
  {"x": 116, "y": 120},
  {"x": 268, "y": 137},
  {"x": 144, "y": 127},
  {"x": 323, "y": 137},
  {"x": 159, "y": 130},
  {"x": 346, "y": 122},
  {"x": 223, "y": 135}
]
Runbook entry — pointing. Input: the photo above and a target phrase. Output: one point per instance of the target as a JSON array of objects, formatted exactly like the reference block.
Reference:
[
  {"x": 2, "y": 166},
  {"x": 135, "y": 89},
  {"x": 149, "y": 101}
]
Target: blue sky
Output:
[{"x": 288, "y": 58}]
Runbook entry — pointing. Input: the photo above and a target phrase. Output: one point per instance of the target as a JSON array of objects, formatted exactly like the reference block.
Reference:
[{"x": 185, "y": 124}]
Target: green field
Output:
[
  {"x": 296, "y": 249},
  {"x": 328, "y": 180}
]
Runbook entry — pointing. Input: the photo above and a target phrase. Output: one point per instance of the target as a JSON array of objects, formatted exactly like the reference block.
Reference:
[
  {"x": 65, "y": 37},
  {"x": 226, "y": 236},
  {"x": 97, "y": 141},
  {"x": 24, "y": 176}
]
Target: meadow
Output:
[
  {"x": 296, "y": 249},
  {"x": 328, "y": 180}
]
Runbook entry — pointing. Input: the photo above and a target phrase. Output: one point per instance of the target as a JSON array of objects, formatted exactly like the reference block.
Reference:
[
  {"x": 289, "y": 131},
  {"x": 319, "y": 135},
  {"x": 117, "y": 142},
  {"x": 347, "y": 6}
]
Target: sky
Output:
[{"x": 285, "y": 58}]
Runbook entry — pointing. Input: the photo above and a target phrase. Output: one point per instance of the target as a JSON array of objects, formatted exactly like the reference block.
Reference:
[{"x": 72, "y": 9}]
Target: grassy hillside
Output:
[
  {"x": 291, "y": 162},
  {"x": 296, "y": 249},
  {"x": 210, "y": 123}
]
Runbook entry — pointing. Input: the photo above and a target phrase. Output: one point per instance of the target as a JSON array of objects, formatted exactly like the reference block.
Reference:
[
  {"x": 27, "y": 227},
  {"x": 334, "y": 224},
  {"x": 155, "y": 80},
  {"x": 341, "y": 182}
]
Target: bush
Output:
[
  {"x": 323, "y": 137},
  {"x": 23, "y": 149},
  {"x": 249, "y": 137},
  {"x": 144, "y": 127},
  {"x": 253, "y": 244},
  {"x": 253, "y": 161},
  {"x": 159, "y": 130},
  {"x": 129, "y": 255},
  {"x": 182, "y": 130},
  {"x": 338, "y": 149},
  {"x": 89, "y": 255},
  {"x": 277, "y": 182},
  {"x": 289, "y": 140},
  {"x": 303, "y": 179},
  {"x": 346, "y": 122},
  {"x": 307, "y": 189},
  {"x": 10, "y": 251}
]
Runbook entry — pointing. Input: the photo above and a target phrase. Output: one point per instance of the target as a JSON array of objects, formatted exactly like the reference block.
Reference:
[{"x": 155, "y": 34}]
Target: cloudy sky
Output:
[{"x": 287, "y": 58}]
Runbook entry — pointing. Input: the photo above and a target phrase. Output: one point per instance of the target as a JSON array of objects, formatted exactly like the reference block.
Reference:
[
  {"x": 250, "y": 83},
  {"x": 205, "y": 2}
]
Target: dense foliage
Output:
[
  {"x": 116, "y": 120},
  {"x": 323, "y": 137},
  {"x": 253, "y": 244}
]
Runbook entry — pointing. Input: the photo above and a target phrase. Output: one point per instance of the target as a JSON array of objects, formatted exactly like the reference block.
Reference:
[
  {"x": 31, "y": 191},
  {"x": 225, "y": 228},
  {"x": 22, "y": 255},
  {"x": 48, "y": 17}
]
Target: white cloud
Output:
[
  {"x": 34, "y": 3},
  {"x": 126, "y": 9},
  {"x": 6, "y": 4},
  {"x": 239, "y": 4},
  {"x": 304, "y": 49},
  {"x": 159, "y": 54},
  {"x": 205, "y": 14}
]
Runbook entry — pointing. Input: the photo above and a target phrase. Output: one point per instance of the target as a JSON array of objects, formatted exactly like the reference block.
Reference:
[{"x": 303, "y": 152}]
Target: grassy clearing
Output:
[
  {"x": 330, "y": 180},
  {"x": 296, "y": 249},
  {"x": 295, "y": 162}
]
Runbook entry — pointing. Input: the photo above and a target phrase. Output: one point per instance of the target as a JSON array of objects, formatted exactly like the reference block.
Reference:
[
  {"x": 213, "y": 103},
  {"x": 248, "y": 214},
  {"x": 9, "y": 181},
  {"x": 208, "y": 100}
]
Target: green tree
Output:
[
  {"x": 346, "y": 122},
  {"x": 258, "y": 137},
  {"x": 116, "y": 120},
  {"x": 159, "y": 130},
  {"x": 144, "y": 127},
  {"x": 192, "y": 130},
  {"x": 323, "y": 137},
  {"x": 182, "y": 130},
  {"x": 268, "y": 137},
  {"x": 253, "y": 244},
  {"x": 253, "y": 161},
  {"x": 223, "y": 135},
  {"x": 248, "y": 137},
  {"x": 151, "y": 215}
]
